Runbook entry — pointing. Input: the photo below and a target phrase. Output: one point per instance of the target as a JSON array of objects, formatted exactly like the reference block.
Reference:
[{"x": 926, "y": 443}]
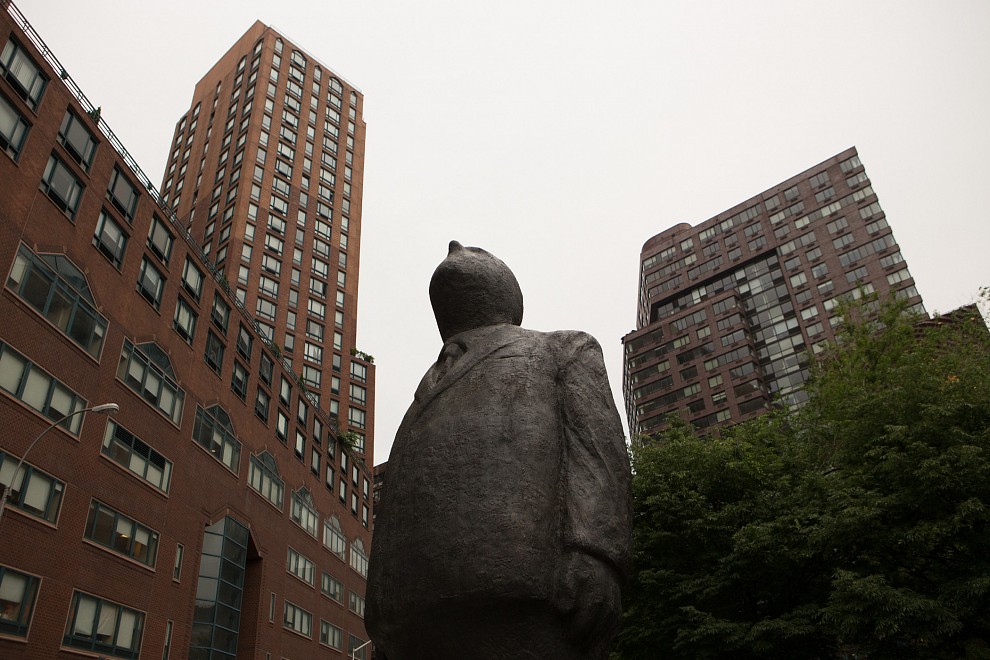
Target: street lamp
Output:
[
  {"x": 102, "y": 408},
  {"x": 354, "y": 652}
]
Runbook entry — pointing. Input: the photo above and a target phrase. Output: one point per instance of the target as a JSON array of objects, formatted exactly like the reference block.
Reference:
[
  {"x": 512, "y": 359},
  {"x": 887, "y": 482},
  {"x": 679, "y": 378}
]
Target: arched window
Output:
[
  {"x": 303, "y": 511},
  {"x": 214, "y": 431},
  {"x": 264, "y": 478},
  {"x": 333, "y": 537},
  {"x": 58, "y": 290},
  {"x": 146, "y": 369},
  {"x": 359, "y": 560}
]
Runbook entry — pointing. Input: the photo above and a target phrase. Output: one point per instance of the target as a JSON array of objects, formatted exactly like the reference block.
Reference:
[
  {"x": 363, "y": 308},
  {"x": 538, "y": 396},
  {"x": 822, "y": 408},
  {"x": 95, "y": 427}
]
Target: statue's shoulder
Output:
[
  {"x": 562, "y": 345},
  {"x": 573, "y": 347},
  {"x": 574, "y": 340}
]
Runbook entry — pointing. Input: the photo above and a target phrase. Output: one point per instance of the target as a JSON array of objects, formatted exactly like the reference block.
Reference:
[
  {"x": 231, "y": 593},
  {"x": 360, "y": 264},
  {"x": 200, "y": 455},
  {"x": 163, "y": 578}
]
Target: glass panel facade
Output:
[{"x": 220, "y": 590}]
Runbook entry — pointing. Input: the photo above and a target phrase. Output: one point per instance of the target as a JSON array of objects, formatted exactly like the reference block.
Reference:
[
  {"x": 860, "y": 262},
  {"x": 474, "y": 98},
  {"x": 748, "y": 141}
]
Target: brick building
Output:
[
  {"x": 729, "y": 308},
  {"x": 219, "y": 512}
]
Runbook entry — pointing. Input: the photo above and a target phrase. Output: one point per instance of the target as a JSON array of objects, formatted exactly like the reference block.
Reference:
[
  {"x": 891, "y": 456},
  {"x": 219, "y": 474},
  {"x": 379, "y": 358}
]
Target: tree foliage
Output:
[{"x": 856, "y": 526}]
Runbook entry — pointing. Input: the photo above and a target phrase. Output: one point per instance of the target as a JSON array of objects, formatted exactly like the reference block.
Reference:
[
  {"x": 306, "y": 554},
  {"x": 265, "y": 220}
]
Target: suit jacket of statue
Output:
[{"x": 510, "y": 459}]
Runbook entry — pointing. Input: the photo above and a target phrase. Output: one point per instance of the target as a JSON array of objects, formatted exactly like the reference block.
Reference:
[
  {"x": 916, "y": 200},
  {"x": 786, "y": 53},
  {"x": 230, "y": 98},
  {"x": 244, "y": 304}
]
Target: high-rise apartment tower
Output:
[
  {"x": 225, "y": 510},
  {"x": 728, "y": 309},
  {"x": 267, "y": 167}
]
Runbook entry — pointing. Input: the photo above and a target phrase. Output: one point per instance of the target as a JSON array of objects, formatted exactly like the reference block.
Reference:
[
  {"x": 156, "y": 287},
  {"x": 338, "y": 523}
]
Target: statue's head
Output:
[{"x": 472, "y": 288}]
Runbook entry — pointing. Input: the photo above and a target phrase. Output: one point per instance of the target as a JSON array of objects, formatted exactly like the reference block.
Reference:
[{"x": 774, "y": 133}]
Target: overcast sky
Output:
[{"x": 562, "y": 135}]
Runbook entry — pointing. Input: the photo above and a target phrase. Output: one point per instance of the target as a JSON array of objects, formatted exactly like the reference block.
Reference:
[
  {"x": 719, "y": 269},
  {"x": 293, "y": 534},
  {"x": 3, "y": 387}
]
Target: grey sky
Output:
[{"x": 562, "y": 135}]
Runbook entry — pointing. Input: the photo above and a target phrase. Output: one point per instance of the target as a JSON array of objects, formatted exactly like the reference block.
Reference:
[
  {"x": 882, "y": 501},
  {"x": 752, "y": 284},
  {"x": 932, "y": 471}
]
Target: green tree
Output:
[{"x": 855, "y": 525}]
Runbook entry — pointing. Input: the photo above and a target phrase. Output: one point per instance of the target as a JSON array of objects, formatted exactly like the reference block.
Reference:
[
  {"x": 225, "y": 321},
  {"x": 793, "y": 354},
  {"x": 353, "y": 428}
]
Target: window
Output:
[
  {"x": 36, "y": 388},
  {"x": 220, "y": 314},
  {"x": 314, "y": 330},
  {"x": 185, "y": 320},
  {"x": 261, "y": 405},
  {"x": 192, "y": 279},
  {"x": 357, "y": 648},
  {"x": 238, "y": 380},
  {"x": 298, "y": 619},
  {"x": 300, "y": 446},
  {"x": 214, "y": 352},
  {"x": 56, "y": 289},
  {"x": 151, "y": 283},
  {"x": 22, "y": 73},
  {"x": 220, "y": 590},
  {"x": 301, "y": 567},
  {"x": 13, "y": 129},
  {"x": 898, "y": 276},
  {"x": 313, "y": 353},
  {"x": 18, "y": 592},
  {"x": 356, "y": 604},
  {"x": 757, "y": 243},
  {"x": 869, "y": 211},
  {"x": 264, "y": 477},
  {"x": 359, "y": 560},
  {"x": 244, "y": 343},
  {"x": 61, "y": 186},
  {"x": 314, "y": 463},
  {"x": 356, "y": 417},
  {"x": 122, "y": 194},
  {"x": 213, "y": 431},
  {"x": 110, "y": 239},
  {"x": 177, "y": 565},
  {"x": 31, "y": 491},
  {"x": 266, "y": 309},
  {"x": 271, "y": 264},
  {"x": 333, "y": 537},
  {"x": 146, "y": 369},
  {"x": 857, "y": 274},
  {"x": 103, "y": 626},
  {"x": 891, "y": 260},
  {"x": 303, "y": 511},
  {"x": 122, "y": 534},
  {"x": 281, "y": 426},
  {"x": 77, "y": 140},
  {"x": 126, "y": 449},
  {"x": 358, "y": 394},
  {"x": 331, "y": 635},
  {"x": 876, "y": 227},
  {"x": 312, "y": 376},
  {"x": 316, "y": 308},
  {"x": 850, "y": 164}
]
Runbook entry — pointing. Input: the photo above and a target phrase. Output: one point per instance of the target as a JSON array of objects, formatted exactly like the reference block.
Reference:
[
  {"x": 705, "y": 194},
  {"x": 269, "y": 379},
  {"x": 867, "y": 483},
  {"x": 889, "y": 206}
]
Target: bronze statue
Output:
[{"x": 506, "y": 522}]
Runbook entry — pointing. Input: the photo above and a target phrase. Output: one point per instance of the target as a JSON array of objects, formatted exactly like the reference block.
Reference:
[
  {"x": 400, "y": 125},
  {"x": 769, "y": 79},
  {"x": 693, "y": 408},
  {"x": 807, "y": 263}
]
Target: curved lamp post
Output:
[
  {"x": 102, "y": 408},
  {"x": 354, "y": 652}
]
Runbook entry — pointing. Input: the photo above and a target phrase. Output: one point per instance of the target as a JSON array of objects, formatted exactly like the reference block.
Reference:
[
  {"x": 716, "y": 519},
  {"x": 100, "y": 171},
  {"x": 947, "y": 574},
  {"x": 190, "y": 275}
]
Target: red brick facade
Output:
[{"x": 67, "y": 563}]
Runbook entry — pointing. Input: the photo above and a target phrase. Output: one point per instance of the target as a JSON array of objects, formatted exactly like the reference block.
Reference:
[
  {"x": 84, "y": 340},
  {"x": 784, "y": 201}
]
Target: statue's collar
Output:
[{"x": 475, "y": 336}]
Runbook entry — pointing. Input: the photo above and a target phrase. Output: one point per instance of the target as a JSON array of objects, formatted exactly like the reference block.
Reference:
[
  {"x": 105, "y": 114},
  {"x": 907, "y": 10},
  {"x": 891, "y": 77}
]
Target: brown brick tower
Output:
[{"x": 729, "y": 308}]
